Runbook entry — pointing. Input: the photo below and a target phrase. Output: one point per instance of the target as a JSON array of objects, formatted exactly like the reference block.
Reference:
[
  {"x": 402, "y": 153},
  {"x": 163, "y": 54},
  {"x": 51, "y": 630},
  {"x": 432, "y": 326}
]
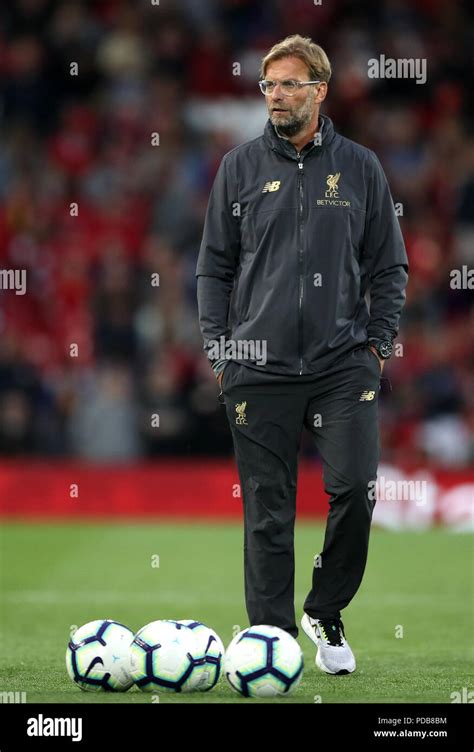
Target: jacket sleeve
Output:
[
  {"x": 218, "y": 260},
  {"x": 384, "y": 256}
]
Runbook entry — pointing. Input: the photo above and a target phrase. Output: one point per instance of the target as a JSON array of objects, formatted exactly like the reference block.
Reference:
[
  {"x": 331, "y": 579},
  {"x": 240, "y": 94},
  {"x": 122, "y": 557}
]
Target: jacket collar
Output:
[{"x": 286, "y": 149}]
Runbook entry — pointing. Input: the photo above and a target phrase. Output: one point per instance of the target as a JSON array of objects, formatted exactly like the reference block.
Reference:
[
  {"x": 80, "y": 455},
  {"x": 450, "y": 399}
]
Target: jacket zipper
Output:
[{"x": 300, "y": 262}]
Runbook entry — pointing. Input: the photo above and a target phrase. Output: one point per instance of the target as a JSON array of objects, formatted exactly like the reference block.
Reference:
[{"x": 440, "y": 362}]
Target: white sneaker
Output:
[{"x": 334, "y": 655}]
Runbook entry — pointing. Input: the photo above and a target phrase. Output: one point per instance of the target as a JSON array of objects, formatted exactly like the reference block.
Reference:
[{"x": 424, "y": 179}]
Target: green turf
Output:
[{"x": 55, "y": 576}]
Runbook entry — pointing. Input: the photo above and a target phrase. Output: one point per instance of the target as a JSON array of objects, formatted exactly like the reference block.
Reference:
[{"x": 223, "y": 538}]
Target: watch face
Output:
[{"x": 385, "y": 349}]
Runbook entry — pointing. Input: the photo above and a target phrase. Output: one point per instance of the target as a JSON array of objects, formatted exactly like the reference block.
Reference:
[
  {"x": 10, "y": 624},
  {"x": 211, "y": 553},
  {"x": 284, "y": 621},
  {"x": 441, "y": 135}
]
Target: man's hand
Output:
[{"x": 381, "y": 361}]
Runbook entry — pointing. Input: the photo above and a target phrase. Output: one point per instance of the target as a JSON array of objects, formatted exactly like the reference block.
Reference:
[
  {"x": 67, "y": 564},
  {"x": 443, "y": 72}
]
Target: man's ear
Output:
[{"x": 321, "y": 92}]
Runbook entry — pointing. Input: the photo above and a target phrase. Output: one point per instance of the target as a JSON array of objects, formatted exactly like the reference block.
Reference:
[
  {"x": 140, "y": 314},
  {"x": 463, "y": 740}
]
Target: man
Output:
[{"x": 300, "y": 226}]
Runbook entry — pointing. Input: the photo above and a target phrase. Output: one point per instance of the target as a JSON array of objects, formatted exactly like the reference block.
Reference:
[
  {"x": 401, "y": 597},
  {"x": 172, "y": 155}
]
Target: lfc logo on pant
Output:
[{"x": 241, "y": 419}]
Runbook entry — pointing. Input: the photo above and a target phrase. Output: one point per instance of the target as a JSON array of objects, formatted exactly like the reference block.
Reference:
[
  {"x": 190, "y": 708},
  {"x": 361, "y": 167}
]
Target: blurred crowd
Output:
[{"x": 114, "y": 117}]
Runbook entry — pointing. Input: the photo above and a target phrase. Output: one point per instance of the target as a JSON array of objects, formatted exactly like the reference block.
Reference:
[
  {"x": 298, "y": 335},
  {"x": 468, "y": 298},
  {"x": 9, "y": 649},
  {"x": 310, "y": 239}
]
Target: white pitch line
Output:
[{"x": 45, "y": 597}]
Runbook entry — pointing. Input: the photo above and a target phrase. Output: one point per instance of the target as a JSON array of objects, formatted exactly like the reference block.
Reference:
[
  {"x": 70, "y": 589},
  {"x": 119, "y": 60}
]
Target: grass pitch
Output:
[{"x": 410, "y": 624}]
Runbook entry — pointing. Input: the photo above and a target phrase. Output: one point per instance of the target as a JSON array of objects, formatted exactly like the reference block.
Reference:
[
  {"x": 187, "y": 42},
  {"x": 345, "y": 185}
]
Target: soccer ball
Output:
[
  {"x": 165, "y": 656},
  {"x": 97, "y": 656},
  {"x": 263, "y": 661},
  {"x": 210, "y": 644}
]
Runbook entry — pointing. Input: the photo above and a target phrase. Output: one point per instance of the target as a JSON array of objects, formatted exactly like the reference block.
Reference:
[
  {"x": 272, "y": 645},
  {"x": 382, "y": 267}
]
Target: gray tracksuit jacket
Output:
[{"x": 292, "y": 244}]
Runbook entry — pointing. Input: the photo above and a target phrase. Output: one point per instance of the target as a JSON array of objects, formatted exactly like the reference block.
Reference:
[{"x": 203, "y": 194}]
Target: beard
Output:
[{"x": 291, "y": 123}]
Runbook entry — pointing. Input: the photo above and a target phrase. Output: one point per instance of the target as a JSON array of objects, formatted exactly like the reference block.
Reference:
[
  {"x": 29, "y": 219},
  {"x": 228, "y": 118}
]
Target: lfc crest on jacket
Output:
[{"x": 332, "y": 193}]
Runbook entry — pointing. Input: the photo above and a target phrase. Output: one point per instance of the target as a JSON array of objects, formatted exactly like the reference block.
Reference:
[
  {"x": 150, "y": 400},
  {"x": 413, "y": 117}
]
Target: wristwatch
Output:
[{"x": 384, "y": 347}]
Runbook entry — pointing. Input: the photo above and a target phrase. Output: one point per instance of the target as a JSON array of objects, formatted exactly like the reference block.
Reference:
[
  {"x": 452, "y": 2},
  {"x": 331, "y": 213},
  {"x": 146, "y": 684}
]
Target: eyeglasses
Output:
[{"x": 287, "y": 88}]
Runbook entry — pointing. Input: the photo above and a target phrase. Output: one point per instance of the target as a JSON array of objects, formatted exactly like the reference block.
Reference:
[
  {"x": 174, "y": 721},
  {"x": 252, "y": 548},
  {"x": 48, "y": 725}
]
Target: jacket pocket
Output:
[
  {"x": 374, "y": 356},
  {"x": 225, "y": 376}
]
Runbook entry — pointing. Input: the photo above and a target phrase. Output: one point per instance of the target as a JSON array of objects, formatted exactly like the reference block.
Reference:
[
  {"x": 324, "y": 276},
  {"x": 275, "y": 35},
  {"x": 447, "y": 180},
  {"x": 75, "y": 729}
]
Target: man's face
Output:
[{"x": 291, "y": 114}]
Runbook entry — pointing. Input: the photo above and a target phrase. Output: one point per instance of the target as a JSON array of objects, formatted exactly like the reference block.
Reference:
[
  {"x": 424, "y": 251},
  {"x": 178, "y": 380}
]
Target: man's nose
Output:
[{"x": 276, "y": 93}]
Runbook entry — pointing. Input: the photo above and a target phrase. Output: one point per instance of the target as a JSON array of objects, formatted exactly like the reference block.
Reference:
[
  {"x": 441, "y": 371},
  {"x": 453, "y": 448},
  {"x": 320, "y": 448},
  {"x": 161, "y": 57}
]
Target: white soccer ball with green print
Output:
[
  {"x": 263, "y": 661},
  {"x": 98, "y": 656},
  {"x": 165, "y": 656},
  {"x": 210, "y": 644}
]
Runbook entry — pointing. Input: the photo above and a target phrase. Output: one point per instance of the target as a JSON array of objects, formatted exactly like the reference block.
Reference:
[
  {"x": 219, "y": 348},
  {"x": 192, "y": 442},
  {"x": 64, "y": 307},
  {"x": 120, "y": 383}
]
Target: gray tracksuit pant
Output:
[{"x": 266, "y": 414}]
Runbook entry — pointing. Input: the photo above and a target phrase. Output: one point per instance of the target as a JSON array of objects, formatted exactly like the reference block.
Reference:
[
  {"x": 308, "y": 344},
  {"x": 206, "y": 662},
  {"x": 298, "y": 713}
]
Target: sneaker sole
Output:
[
  {"x": 309, "y": 632},
  {"x": 308, "y": 629}
]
